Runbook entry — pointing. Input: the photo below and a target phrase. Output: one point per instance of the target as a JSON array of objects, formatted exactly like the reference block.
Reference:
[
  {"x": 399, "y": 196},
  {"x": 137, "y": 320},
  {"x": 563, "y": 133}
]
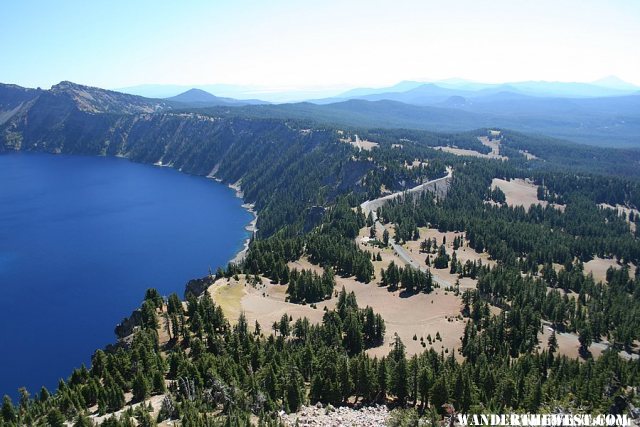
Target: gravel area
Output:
[{"x": 337, "y": 417}]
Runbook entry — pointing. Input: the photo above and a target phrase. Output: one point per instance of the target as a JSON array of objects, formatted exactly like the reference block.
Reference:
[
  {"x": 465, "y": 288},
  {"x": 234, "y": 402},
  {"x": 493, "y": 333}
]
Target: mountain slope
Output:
[
  {"x": 12, "y": 98},
  {"x": 609, "y": 122},
  {"x": 359, "y": 92},
  {"x": 96, "y": 100}
]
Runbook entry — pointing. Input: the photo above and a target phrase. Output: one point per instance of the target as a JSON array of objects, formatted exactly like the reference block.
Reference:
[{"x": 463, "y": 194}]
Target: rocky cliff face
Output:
[
  {"x": 77, "y": 119},
  {"x": 95, "y": 100},
  {"x": 270, "y": 156},
  {"x": 14, "y": 98},
  {"x": 12, "y": 95}
]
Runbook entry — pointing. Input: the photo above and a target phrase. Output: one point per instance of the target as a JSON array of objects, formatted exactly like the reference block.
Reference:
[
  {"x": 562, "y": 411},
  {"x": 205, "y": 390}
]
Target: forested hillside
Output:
[{"x": 308, "y": 180}]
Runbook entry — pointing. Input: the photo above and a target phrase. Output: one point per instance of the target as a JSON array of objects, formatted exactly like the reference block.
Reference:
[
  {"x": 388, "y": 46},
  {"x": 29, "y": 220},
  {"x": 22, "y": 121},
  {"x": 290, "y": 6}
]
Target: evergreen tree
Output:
[
  {"x": 55, "y": 418},
  {"x": 553, "y": 342},
  {"x": 82, "y": 420},
  {"x": 8, "y": 411},
  {"x": 140, "y": 387},
  {"x": 439, "y": 394},
  {"x": 585, "y": 337}
]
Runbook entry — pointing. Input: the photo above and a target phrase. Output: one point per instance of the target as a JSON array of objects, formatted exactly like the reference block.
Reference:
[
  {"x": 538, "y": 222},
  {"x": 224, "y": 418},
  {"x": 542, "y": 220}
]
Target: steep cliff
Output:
[{"x": 282, "y": 168}]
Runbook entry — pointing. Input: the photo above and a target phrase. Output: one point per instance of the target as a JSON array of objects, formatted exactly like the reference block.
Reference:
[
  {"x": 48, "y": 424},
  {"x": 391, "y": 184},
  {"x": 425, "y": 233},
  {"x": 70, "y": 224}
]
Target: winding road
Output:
[{"x": 439, "y": 186}]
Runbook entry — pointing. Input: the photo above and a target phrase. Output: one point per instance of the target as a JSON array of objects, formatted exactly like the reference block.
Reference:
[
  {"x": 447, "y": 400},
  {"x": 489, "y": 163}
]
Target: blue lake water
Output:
[{"x": 82, "y": 238}]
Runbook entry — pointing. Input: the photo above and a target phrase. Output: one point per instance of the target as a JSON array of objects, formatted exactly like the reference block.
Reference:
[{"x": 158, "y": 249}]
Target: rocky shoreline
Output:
[
  {"x": 251, "y": 227},
  {"x": 249, "y": 207}
]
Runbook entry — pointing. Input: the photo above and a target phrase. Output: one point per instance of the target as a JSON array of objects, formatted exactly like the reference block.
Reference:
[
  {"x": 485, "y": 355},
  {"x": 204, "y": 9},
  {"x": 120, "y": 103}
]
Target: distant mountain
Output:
[
  {"x": 250, "y": 94},
  {"x": 455, "y": 101},
  {"x": 200, "y": 98},
  {"x": 430, "y": 94},
  {"x": 370, "y": 114},
  {"x": 418, "y": 94},
  {"x": 425, "y": 94},
  {"x": 614, "y": 82},
  {"x": 246, "y": 94},
  {"x": 569, "y": 90},
  {"x": 613, "y": 121},
  {"x": 437, "y": 92},
  {"x": 194, "y": 95},
  {"x": 167, "y": 90},
  {"x": 605, "y": 121},
  {"x": 403, "y": 86}
]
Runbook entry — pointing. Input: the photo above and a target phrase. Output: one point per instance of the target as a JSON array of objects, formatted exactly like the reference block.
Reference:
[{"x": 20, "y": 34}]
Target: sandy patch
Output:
[
  {"x": 568, "y": 344},
  {"x": 620, "y": 210},
  {"x": 520, "y": 192},
  {"x": 464, "y": 253},
  {"x": 528, "y": 155},
  {"x": 264, "y": 303},
  {"x": 156, "y": 403},
  {"x": 361, "y": 144},
  {"x": 599, "y": 266},
  {"x": 419, "y": 314},
  {"x": 462, "y": 152},
  {"x": 494, "y": 145},
  {"x": 227, "y": 294},
  {"x": 164, "y": 327},
  {"x": 415, "y": 164}
]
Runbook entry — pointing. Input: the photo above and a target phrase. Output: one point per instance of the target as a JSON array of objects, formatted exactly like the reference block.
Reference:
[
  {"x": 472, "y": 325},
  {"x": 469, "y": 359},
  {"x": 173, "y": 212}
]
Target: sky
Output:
[{"x": 281, "y": 45}]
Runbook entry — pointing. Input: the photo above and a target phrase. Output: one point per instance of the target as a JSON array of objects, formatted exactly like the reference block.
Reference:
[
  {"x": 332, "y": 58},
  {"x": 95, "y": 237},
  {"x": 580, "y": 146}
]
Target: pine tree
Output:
[
  {"x": 55, "y": 418},
  {"x": 149, "y": 316},
  {"x": 454, "y": 263},
  {"x": 344, "y": 378},
  {"x": 174, "y": 305},
  {"x": 159, "y": 386},
  {"x": 294, "y": 391},
  {"x": 383, "y": 378},
  {"x": 8, "y": 411},
  {"x": 585, "y": 337},
  {"x": 82, "y": 420},
  {"x": 154, "y": 297},
  {"x": 439, "y": 393},
  {"x": 553, "y": 342},
  {"x": 283, "y": 326},
  {"x": 353, "y": 339},
  {"x": 399, "y": 383},
  {"x": 44, "y": 394},
  {"x": 140, "y": 387},
  {"x": 424, "y": 385}
]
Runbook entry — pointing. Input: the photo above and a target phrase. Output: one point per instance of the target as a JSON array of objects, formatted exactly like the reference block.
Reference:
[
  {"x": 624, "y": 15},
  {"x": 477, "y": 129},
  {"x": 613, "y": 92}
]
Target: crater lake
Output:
[{"x": 82, "y": 238}]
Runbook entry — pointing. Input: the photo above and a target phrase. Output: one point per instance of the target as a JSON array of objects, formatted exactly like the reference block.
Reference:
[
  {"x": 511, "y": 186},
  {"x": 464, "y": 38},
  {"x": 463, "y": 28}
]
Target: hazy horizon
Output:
[
  {"x": 305, "y": 45},
  {"x": 288, "y": 94}
]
